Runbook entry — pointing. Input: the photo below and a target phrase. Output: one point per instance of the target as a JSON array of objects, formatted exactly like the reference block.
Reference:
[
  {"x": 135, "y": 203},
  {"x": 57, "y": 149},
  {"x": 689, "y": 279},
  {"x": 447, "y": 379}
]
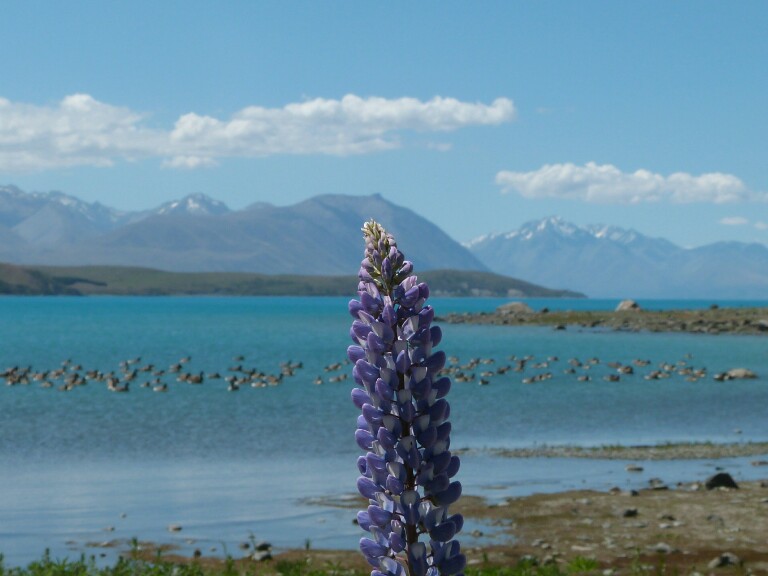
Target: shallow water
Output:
[{"x": 230, "y": 465}]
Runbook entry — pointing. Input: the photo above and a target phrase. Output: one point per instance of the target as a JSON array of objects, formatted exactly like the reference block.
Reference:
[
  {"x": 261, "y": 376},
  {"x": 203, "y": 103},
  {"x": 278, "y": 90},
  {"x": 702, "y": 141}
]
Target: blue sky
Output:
[{"x": 479, "y": 115}]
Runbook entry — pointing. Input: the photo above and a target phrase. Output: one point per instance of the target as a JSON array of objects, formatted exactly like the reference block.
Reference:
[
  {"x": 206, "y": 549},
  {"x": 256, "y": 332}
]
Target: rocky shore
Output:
[
  {"x": 670, "y": 451},
  {"x": 713, "y": 320},
  {"x": 685, "y": 527},
  {"x": 689, "y": 528}
]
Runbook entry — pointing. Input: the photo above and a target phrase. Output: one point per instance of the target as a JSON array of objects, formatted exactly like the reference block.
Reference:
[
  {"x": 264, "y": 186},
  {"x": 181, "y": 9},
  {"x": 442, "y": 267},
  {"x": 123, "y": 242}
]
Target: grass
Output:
[
  {"x": 87, "y": 566},
  {"x": 577, "y": 566},
  {"x": 123, "y": 280}
]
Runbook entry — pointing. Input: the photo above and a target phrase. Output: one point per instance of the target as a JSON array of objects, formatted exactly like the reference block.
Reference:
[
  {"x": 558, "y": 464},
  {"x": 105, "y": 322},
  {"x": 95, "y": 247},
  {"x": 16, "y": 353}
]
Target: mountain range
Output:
[
  {"x": 321, "y": 236},
  {"x": 198, "y": 234},
  {"x": 612, "y": 262}
]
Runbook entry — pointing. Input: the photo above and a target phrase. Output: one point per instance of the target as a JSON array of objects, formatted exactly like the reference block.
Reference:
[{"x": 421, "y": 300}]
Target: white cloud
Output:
[
  {"x": 80, "y": 130},
  {"x": 189, "y": 162},
  {"x": 734, "y": 221},
  {"x": 760, "y": 225},
  {"x": 607, "y": 184},
  {"x": 439, "y": 146}
]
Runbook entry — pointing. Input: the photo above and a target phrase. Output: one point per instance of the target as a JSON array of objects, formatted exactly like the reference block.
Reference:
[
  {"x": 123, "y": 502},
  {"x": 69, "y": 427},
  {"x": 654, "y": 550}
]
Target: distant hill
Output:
[
  {"x": 320, "y": 236},
  {"x": 611, "y": 262},
  {"x": 23, "y": 281},
  {"x": 93, "y": 280}
]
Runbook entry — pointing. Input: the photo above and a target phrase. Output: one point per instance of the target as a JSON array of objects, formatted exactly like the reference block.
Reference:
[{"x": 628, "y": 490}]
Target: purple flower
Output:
[{"x": 407, "y": 471}]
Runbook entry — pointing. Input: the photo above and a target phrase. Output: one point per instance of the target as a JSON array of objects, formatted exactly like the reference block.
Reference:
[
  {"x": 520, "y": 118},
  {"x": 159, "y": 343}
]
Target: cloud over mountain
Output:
[
  {"x": 80, "y": 130},
  {"x": 607, "y": 184}
]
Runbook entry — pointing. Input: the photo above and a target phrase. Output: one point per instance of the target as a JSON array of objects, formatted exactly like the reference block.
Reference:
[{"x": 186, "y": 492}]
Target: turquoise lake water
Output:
[{"x": 89, "y": 466}]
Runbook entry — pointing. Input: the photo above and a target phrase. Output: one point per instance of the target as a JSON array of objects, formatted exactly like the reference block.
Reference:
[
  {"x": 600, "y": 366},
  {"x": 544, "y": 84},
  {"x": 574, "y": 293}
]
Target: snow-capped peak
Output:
[
  {"x": 194, "y": 204},
  {"x": 556, "y": 226},
  {"x": 613, "y": 233},
  {"x": 553, "y": 225}
]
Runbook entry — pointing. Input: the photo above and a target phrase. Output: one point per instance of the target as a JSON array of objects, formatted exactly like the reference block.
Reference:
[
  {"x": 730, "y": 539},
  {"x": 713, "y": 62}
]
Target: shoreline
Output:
[
  {"x": 713, "y": 320},
  {"x": 681, "y": 528},
  {"x": 665, "y": 451},
  {"x": 662, "y": 517}
]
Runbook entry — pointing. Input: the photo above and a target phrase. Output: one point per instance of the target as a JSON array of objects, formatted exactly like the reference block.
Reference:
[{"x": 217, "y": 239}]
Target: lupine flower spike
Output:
[{"x": 407, "y": 469}]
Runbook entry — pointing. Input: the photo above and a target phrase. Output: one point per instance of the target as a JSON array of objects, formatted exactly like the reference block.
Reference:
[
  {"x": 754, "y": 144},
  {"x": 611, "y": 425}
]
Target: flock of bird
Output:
[
  {"x": 132, "y": 372},
  {"x": 481, "y": 370}
]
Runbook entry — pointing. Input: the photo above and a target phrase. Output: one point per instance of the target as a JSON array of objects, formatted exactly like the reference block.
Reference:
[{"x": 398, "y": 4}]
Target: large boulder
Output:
[
  {"x": 720, "y": 480},
  {"x": 627, "y": 306}
]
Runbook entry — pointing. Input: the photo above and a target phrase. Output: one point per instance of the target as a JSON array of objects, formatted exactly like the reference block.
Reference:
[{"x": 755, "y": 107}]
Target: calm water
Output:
[{"x": 228, "y": 465}]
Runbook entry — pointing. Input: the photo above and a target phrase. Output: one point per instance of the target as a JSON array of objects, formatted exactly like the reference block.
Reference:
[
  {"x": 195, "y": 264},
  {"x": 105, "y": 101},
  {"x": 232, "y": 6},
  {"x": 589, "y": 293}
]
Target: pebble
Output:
[
  {"x": 662, "y": 548},
  {"x": 174, "y": 528},
  {"x": 725, "y": 559},
  {"x": 717, "y": 519},
  {"x": 657, "y": 484},
  {"x": 629, "y": 513}
]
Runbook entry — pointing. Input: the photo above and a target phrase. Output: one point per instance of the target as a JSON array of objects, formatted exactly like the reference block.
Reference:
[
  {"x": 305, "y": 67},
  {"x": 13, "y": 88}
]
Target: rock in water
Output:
[
  {"x": 735, "y": 373},
  {"x": 720, "y": 480},
  {"x": 627, "y": 305}
]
